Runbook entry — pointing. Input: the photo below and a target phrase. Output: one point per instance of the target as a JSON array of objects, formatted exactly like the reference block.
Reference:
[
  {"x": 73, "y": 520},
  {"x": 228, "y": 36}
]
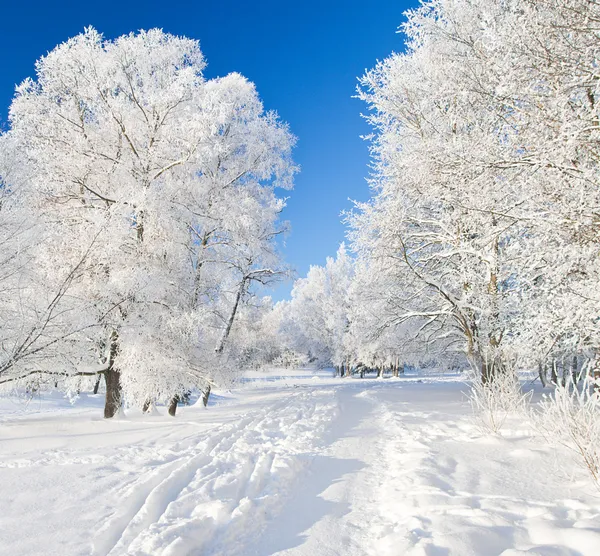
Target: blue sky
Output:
[{"x": 304, "y": 57}]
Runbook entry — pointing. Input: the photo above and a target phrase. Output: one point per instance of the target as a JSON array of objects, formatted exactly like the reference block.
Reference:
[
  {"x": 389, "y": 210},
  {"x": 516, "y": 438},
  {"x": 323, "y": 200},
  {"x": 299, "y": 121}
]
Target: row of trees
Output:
[
  {"x": 138, "y": 213},
  {"x": 336, "y": 317},
  {"x": 480, "y": 243}
]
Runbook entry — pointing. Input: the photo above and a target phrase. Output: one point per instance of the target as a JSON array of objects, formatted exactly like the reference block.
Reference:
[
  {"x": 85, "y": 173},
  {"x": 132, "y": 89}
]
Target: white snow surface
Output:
[{"x": 294, "y": 463}]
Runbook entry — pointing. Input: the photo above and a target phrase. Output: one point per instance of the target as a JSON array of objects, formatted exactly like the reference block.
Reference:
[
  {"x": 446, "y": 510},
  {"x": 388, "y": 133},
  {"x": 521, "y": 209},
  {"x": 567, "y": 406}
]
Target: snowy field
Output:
[{"x": 295, "y": 463}]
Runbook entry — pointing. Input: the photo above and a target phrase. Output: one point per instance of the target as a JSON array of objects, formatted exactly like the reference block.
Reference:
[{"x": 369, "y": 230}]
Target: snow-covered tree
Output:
[
  {"x": 165, "y": 181},
  {"x": 38, "y": 320},
  {"x": 316, "y": 319},
  {"x": 483, "y": 177}
]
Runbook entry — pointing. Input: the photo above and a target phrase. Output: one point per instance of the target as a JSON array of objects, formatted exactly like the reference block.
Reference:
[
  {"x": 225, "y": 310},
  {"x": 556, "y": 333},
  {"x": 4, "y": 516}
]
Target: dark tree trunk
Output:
[
  {"x": 146, "y": 406},
  {"x": 97, "y": 385},
  {"x": 112, "y": 376},
  {"x": 139, "y": 218},
  {"x": 594, "y": 373},
  {"x": 574, "y": 374},
  {"x": 112, "y": 403},
  {"x": 206, "y": 395},
  {"x": 173, "y": 406}
]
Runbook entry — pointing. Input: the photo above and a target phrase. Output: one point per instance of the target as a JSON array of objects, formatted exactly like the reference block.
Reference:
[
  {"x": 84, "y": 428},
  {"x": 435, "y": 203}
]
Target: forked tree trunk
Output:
[{"x": 146, "y": 407}]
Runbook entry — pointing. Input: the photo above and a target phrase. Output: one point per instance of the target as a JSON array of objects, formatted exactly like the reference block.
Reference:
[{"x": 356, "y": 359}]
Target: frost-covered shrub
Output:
[
  {"x": 493, "y": 402},
  {"x": 571, "y": 418}
]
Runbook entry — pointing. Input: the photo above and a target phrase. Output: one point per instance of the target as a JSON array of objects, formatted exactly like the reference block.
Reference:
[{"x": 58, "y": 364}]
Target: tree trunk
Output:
[
  {"x": 112, "y": 402},
  {"x": 596, "y": 377},
  {"x": 554, "y": 373},
  {"x": 574, "y": 374},
  {"x": 97, "y": 385},
  {"x": 486, "y": 376},
  {"x": 139, "y": 224},
  {"x": 563, "y": 374},
  {"x": 206, "y": 395},
  {"x": 542, "y": 374},
  {"x": 594, "y": 373},
  {"x": 146, "y": 406},
  {"x": 112, "y": 376},
  {"x": 198, "y": 274},
  {"x": 173, "y": 406},
  {"x": 231, "y": 318}
]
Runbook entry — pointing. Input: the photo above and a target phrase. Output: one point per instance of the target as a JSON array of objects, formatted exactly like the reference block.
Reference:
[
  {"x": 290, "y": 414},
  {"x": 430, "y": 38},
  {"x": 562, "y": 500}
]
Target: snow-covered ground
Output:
[{"x": 291, "y": 463}]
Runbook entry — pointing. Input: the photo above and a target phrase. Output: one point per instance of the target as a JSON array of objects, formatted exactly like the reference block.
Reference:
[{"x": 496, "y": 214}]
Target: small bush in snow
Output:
[
  {"x": 571, "y": 418},
  {"x": 493, "y": 402}
]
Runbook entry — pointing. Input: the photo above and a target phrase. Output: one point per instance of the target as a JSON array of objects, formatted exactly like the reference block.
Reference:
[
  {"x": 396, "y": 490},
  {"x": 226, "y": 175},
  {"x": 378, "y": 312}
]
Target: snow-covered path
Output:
[
  {"x": 408, "y": 473},
  {"x": 295, "y": 467}
]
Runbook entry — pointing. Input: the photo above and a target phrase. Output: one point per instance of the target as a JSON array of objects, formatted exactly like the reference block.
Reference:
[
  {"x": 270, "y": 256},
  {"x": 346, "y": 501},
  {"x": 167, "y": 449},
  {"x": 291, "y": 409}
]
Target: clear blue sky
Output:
[{"x": 304, "y": 57}]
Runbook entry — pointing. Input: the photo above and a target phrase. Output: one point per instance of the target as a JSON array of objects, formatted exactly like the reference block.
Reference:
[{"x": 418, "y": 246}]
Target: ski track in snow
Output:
[
  {"x": 208, "y": 495},
  {"x": 373, "y": 468}
]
